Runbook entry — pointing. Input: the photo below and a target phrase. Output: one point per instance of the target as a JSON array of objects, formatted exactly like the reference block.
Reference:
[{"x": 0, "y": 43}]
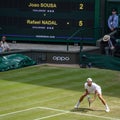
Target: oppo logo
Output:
[{"x": 60, "y": 58}]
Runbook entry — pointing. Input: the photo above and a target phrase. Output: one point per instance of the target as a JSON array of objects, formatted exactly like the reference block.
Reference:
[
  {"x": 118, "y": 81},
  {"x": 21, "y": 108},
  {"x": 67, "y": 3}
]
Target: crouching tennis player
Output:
[{"x": 91, "y": 87}]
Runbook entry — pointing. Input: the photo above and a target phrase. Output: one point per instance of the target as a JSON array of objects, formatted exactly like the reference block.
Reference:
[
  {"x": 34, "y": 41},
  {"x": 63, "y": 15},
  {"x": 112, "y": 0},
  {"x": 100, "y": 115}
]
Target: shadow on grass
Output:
[{"x": 84, "y": 110}]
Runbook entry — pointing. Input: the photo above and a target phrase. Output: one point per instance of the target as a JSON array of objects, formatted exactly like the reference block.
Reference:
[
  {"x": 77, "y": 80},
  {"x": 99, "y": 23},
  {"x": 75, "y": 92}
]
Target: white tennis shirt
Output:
[{"x": 94, "y": 87}]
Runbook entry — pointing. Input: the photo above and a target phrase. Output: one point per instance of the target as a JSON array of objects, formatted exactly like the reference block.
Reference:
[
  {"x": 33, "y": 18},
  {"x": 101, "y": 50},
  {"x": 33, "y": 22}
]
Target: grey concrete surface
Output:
[{"x": 31, "y": 46}]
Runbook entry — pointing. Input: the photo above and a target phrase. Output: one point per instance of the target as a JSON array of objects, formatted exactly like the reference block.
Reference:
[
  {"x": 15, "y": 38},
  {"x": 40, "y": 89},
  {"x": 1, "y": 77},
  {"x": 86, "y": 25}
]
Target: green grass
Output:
[{"x": 23, "y": 93}]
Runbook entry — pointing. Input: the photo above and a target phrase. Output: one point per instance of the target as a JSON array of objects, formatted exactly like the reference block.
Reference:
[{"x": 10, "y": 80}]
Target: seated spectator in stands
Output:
[
  {"x": 4, "y": 44},
  {"x": 1, "y": 48},
  {"x": 107, "y": 45}
]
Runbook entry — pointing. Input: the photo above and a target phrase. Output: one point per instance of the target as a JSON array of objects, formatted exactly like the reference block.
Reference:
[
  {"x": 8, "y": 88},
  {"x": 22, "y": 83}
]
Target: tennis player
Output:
[{"x": 91, "y": 87}]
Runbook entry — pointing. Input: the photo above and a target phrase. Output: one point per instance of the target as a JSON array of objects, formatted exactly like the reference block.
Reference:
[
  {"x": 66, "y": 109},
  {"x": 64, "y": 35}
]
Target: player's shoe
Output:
[
  {"x": 76, "y": 107},
  {"x": 107, "y": 109}
]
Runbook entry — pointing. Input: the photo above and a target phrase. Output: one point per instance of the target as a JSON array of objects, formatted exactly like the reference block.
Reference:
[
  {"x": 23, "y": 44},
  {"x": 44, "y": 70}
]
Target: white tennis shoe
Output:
[
  {"x": 107, "y": 109},
  {"x": 76, "y": 107}
]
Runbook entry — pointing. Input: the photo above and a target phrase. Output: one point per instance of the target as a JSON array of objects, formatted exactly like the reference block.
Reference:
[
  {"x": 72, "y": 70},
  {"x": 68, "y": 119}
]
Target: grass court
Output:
[{"x": 50, "y": 93}]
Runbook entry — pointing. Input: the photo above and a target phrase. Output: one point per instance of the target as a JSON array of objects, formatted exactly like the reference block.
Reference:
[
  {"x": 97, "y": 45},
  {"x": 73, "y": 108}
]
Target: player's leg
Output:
[
  {"x": 81, "y": 99},
  {"x": 104, "y": 102}
]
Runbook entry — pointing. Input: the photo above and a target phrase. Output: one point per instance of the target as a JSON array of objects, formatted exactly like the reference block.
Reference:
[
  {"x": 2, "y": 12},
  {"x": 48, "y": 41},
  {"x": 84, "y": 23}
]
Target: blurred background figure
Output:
[
  {"x": 113, "y": 20},
  {"x": 1, "y": 50},
  {"x": 4, "y": 45},
  {"x": 108, "y": 45}
]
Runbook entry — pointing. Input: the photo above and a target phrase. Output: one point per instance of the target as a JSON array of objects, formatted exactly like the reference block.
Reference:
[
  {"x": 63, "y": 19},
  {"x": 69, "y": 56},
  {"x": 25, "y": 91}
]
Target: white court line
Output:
[
  {"x": 2, "y": 115},
  {"x": 78, "y": 113},
  {"x": 63, "y": 112}
]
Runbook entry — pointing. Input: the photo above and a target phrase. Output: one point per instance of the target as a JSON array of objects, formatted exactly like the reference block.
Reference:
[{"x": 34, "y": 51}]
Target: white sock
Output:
[
  {"x": 78, "y": 104},
  {"x": 106, "y": 106}
]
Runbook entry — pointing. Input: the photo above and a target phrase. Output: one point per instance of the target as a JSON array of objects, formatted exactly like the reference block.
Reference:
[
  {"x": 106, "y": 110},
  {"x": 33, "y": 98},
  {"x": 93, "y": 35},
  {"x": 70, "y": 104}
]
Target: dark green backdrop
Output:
[{"x": 50, "y": 20}]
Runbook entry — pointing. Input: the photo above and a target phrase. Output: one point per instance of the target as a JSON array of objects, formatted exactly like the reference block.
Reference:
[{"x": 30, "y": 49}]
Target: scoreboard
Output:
[{"x": 48, "y": 20}]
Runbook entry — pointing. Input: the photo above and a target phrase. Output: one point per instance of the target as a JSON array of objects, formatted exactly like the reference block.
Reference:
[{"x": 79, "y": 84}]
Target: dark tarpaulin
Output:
[{"x": 15, "y": 61}]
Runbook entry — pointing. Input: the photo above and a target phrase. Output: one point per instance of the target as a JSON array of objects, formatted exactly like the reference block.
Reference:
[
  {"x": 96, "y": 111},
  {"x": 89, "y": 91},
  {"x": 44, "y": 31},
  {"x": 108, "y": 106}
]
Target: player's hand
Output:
[{"x": 91, "y": 100}]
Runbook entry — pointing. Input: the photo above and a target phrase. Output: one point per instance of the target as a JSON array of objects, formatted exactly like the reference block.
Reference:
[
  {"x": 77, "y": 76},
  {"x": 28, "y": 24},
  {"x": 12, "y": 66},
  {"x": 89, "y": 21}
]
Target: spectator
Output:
[
  {"x": 113, "y": 20},
  {"x": 107, "y": 45},
  {"x": 1, "y": 48},
  {"x": 4, "y": 44}
]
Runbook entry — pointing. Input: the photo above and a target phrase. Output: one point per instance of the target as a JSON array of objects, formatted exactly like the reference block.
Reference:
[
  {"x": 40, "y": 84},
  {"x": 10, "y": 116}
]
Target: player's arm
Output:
[{"x": 86, "y": 91}]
